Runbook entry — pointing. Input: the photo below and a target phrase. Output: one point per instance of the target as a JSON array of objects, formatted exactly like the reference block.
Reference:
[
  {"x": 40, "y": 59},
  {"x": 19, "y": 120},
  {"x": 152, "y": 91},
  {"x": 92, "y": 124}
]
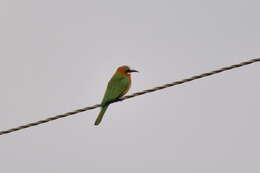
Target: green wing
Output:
[{"x": 116, "y": 88}]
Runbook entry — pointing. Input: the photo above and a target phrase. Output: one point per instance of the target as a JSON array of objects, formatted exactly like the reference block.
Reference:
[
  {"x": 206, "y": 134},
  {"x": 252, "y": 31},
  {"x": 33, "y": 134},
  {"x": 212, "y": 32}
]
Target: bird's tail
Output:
[{"x": 100, "y": 115}]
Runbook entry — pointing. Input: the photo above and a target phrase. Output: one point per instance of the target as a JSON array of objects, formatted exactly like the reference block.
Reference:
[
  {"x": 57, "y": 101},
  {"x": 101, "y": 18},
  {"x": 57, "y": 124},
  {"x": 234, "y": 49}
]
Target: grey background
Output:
[{"x": 58, "y": 55}]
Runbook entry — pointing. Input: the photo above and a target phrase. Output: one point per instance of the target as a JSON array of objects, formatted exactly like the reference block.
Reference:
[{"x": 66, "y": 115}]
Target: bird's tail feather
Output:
[{"x": 100, "y": 115}]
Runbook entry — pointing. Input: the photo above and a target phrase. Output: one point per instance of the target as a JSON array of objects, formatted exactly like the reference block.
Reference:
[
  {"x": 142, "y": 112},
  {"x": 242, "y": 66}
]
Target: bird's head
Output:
[{"x": 125, "y": 70}]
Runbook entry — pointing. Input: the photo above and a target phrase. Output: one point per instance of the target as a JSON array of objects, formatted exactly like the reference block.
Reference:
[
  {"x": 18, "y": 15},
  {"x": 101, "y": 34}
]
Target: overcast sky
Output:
[{"x": 58, "y": 55}]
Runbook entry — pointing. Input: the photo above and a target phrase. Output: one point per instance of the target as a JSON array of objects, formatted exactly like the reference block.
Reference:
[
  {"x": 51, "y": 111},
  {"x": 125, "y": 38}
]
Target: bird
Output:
[{"x": 118, "y": 86}]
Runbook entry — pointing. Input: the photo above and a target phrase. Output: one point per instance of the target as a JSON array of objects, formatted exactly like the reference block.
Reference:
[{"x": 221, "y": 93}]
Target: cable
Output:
[{"x": 132, "y": 95}]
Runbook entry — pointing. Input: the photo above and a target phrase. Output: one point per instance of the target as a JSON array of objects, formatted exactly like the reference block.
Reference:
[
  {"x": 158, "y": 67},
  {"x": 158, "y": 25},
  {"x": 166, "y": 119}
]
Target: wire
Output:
[{"x": 131, "y": 96}]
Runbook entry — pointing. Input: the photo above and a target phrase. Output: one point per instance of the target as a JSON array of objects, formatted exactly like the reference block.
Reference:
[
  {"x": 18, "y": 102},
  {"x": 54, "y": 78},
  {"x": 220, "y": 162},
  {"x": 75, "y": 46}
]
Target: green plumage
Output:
[{"x": 116, "y": 88}]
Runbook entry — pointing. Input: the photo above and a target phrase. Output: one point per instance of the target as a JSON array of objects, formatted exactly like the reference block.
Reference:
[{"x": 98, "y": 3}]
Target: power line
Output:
[{"x": 131, "y": 96}]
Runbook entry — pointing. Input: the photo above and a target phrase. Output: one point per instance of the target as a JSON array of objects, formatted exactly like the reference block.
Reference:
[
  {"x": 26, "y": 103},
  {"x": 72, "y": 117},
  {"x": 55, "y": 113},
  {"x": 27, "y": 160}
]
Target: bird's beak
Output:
[{"x": 132, "y": 70}]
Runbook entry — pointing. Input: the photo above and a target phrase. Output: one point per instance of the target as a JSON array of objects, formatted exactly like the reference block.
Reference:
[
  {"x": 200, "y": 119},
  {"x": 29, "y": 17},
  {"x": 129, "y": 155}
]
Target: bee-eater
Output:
[{"x": 118, "y": 86}]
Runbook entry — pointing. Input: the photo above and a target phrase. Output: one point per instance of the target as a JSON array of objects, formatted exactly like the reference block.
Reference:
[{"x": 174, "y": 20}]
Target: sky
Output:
[{"x": 58, "y": 55}]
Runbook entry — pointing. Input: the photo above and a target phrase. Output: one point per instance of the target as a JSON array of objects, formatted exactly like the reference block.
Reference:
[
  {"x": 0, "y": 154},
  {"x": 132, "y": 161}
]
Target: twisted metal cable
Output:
[{"x": 131, "y": 96}]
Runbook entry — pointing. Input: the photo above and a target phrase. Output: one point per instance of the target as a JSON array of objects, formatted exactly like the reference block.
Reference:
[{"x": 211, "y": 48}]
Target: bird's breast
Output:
[{"x": 128, "y": 87}]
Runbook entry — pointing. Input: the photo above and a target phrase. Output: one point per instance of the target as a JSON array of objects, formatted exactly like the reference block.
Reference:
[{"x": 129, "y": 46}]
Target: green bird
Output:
[{"x": 118, "y": 86}]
